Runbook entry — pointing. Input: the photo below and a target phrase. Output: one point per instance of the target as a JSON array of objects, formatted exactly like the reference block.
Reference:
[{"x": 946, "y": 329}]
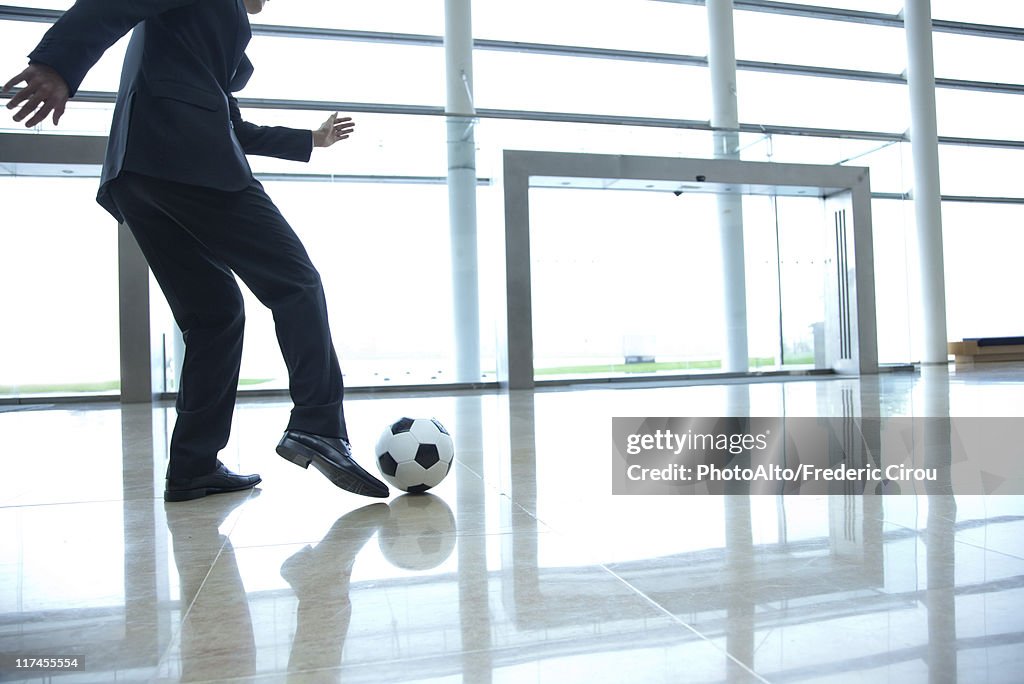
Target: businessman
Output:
[{"x": 176, "y": 174}]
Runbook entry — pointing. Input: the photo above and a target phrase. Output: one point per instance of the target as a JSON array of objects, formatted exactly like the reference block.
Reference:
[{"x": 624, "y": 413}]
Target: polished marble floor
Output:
[{"x": 520, "y": 567}]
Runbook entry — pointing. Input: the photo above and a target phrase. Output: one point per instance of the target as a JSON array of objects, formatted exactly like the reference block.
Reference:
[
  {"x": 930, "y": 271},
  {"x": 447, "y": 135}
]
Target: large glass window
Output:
[
  {"x": 888, "y": 161},
  {"x": 344, "y": 71},
  {"x": 508, "y": 80},
  {"x": 382, "y": 145},
  {"x": 995, "y": 12},
  {"x": 983, "y": 244},
  {"x": 822, "y": 43},
  {"x": 801, "y": 245},
  {"x": 761, "y": 277},
  {"x": 977, "y": 57},
  {"x": 624, "y": 276},
  {"x": 19, "y": 38},
  {"x": 383, "y": 252},
  {"x": 971, "y": 114},
  {"x": 59, "y": 284},
  {"x": 896, "y": 294},
  {"x": 612, "y": 24},
  {"x": 632, "y": 282},
  {"x": 890, "y": 164},
  {"x": 981, "y": 171},
  {"x": 385, "y": 257},
  {"x": 382, "y": 244},
  {"x": 786, "y": 99},
  {"x": 493, "y": 136},
  {"x": 392, "y": 16},
  {"x": 80, "y": 118}
]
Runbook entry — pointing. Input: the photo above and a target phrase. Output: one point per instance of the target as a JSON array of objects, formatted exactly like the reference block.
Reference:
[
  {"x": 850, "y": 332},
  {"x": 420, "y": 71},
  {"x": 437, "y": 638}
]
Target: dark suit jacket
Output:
[{"x": 175, "y": 117}]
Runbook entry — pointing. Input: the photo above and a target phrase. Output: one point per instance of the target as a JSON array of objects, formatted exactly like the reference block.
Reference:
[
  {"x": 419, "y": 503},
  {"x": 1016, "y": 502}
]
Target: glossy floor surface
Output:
[{"x": 520, "y": 567}]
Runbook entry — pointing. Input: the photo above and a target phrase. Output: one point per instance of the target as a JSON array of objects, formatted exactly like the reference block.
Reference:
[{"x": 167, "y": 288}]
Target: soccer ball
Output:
[
  {"x": 419, "y": 533},
  {"x": 414, "y": 454}
]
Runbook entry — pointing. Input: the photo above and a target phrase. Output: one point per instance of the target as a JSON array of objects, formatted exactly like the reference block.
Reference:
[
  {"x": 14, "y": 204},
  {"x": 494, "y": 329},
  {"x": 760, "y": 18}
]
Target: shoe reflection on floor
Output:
[{"x": 319, "y": 575}]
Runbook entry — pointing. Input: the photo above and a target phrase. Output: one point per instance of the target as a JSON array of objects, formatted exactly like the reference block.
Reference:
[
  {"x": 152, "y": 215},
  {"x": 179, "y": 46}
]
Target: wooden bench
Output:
[{"x": 988, "y": 349}]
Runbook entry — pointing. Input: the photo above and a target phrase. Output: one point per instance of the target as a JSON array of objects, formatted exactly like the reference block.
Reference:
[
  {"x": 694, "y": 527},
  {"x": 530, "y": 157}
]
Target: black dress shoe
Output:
[
  {"x": 332, "y": 457},
  {"x": 219, "y": 481}
]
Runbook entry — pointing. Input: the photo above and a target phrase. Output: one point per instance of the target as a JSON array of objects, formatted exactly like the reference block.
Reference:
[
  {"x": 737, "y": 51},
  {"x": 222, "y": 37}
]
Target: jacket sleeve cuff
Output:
[{"x": 72, "y": 77}]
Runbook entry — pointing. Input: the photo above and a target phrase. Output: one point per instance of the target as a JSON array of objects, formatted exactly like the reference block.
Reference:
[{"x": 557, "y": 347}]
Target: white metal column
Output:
[
  {"x": 458, "y": 49},
  {"x": 924, "y": 140},
  {"x": 725, "y": 122}
]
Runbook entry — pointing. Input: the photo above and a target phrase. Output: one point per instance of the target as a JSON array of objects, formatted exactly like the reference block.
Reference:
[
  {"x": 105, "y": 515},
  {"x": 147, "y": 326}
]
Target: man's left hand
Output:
[{"x": 333, "y": 130}]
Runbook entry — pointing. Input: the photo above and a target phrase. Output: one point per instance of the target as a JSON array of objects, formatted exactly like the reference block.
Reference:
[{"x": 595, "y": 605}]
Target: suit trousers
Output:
[{"x": 196, "y": 239}]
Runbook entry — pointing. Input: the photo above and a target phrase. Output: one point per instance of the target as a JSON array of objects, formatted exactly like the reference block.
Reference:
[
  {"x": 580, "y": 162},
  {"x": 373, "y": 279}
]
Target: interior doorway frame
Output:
[{"x": 842, "y": 188}]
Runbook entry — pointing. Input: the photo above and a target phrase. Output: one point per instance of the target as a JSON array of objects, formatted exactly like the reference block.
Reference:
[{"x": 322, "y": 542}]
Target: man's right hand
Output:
[{"x": 45, "y": 91}]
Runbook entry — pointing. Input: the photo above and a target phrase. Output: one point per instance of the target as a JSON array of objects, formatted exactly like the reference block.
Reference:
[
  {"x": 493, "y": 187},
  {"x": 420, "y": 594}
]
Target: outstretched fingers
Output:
[
  {"x": 45, "y": 92},
  {"x": 13, "y": 82},
  {"x": 343, "y": 127}
]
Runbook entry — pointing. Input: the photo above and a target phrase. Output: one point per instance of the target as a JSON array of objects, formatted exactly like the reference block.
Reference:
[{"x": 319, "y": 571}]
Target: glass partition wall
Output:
[
  {"x": 58, "y": 289},
  {"x": 631, "y": 79},
  {"x": 630, "y": 283}
]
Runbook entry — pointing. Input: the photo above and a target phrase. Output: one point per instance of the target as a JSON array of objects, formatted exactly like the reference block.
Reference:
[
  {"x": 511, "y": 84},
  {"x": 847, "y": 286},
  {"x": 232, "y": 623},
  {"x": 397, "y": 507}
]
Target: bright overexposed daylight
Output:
[
  {"x": 639, "y": 342},
  {"x": 623, "y": 268}
]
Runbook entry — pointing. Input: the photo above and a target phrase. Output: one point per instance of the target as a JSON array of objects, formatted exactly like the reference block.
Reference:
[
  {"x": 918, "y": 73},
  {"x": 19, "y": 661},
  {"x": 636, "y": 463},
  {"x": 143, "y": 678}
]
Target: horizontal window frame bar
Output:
[
  {"x": 979, "y": 142},
  {"x": 353, "y": 35},
  {"x": 577, "y": 51},
  {"x": 385, "y": 179},
  {"x": 865, "y": 17},
  {"x": 33, "y": 14},
  {"x": 107, "y": 97},
  {"x": 976, "y": 199},
  {"x": 114, "y": 399},
  {"x": 742, "y": 65},
  {"x": 94, "y": 152},
  {"x": 15, "y": 12},
  {"x": 898, "y": 196},
  {"x": 969, "y": 199}
]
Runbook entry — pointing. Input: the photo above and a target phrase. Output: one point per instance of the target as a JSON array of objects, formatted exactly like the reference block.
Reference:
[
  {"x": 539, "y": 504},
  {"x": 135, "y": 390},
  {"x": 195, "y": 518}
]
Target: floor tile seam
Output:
[
  {"x": 675, "y": 618},
  {"x": 43, "y": 504},
  {"x": 989, "y": 549},
  {"x": 959, "y": 541},
  {"x": 500, "y": 491},
  {"x": 462, "y": 464},
  {"x": 177, "y": 630},
  {"x": 548, "y": 528}
]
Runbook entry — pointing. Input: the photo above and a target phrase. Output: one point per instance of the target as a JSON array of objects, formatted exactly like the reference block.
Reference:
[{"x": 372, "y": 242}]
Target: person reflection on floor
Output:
[
  {"x": 216, "y": 626},
  {"x": 320, "y": 577}
]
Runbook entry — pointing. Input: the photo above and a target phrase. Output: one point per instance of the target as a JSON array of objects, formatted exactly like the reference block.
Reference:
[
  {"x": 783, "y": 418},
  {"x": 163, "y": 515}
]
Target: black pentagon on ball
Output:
[
  {"x": 402, "y": 425},
  {"x": 440, "y": 427},
  {"x": 418, "y": 489},
  {"x": 388, "y": 466},
  {"x": 426, "y": 455}
]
